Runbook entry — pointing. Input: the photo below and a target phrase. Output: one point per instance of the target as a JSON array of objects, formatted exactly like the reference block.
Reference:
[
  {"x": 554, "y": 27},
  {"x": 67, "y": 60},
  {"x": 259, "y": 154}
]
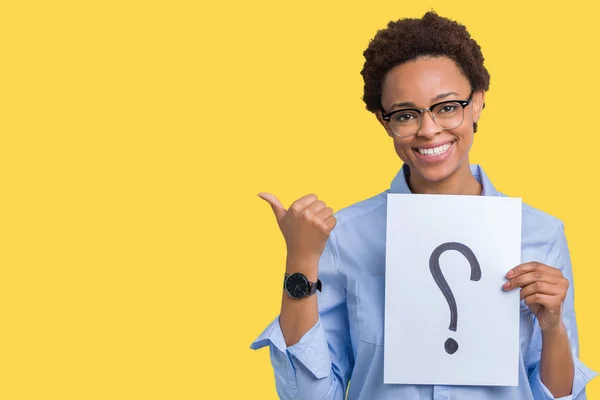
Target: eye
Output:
[
  {"x": 404, "y": 117},
  {"x": 448, "y": 108}
]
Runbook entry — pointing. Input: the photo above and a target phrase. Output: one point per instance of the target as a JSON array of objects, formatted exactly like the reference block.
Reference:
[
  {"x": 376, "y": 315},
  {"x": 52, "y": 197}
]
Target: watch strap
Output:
[{"x": 314, "y": 286}]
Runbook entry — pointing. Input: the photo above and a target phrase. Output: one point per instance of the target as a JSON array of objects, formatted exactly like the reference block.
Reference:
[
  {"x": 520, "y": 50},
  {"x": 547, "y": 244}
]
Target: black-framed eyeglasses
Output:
[{"x": 448, "y": 114}]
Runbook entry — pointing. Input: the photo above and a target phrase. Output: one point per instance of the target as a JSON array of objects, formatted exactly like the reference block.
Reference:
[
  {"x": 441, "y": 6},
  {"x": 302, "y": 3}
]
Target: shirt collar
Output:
[{"x": 400, "y": 182}]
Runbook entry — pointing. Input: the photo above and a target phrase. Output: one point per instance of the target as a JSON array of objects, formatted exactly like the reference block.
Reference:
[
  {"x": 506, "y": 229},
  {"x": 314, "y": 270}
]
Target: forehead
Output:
[{"x": 420, "y": 80}]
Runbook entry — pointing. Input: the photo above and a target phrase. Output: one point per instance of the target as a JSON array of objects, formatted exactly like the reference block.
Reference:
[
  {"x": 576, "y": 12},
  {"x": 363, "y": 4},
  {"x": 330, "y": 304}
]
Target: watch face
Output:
[{"x": 297, "y": 285}]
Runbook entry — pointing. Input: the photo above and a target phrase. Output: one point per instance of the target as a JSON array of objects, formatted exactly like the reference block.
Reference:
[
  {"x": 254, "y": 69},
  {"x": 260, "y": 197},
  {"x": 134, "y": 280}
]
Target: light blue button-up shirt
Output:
[{"x": 346, "y": 343}]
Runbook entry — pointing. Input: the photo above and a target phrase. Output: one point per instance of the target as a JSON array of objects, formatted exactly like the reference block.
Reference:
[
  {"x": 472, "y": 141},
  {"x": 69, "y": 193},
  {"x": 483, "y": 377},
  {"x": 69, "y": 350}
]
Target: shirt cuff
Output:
[
  {"x": 582, "y": 376},
  {"x": 312, "y": 350}
]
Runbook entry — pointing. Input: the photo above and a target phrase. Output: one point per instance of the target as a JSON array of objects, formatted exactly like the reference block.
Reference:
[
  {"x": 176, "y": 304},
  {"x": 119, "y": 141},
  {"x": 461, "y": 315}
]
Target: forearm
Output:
[
  {"x": 299, "y": 315},
  {"x": 556, "y": 365}
]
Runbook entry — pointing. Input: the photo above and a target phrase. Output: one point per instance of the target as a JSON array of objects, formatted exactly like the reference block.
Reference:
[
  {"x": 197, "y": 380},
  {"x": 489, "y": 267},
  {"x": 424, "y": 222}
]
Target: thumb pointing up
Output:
[{"x": 278, "y": 208}]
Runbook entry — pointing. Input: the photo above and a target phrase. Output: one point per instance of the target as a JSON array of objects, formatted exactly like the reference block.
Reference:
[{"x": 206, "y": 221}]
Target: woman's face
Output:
[{"x": 419, "y": 84}]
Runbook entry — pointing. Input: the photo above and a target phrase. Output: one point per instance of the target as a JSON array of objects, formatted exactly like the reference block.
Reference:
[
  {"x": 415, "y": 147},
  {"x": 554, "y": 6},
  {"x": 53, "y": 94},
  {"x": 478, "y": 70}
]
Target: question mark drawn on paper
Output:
[{"x": 434, "y": 266}]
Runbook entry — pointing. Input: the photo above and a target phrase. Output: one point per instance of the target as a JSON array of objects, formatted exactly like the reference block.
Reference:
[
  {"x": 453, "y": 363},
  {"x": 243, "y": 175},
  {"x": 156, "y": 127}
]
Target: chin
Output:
[{"x": 435, "y": 172}]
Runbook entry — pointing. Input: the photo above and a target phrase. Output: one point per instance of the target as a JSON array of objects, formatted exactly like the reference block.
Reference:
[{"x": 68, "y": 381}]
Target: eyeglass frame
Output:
[{"x": 464, "y": 103}]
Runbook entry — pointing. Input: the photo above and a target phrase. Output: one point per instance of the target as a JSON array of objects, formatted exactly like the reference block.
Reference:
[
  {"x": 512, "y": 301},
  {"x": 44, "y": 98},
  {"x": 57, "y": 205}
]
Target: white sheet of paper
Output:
[{"x": 417, "y": 314}]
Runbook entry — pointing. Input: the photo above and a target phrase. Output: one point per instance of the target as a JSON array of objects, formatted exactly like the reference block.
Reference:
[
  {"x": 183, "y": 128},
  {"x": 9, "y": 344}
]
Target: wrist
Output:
[
  {"x": 555, "y": 331},
  {"x": 306, "y": 265},
  {"x": 299, "y": 286}
]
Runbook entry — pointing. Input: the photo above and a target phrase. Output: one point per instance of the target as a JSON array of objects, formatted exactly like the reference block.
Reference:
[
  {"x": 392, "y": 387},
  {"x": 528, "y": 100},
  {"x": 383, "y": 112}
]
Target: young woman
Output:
[{"x": 425, "y": 81}]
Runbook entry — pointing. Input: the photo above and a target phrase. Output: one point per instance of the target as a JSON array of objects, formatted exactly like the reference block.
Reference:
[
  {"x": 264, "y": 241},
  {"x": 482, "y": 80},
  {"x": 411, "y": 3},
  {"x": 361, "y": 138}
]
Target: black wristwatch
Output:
[{"x": 298, "y": 286}]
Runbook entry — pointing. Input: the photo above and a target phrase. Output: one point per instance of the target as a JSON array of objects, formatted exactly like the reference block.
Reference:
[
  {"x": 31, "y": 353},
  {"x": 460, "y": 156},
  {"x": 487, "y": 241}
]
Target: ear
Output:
[
  {"x": 383, "y": 123},
  {"x": 478, "y": 104}
]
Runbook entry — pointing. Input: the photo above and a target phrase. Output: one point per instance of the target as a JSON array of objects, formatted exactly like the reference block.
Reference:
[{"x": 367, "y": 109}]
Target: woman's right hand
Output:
[{"x": 305, "y": 226}]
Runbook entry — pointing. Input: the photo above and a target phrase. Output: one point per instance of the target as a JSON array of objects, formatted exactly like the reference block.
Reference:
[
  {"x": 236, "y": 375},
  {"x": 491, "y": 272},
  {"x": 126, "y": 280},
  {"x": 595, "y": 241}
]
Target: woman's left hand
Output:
[{"x": 544, "y": 289}]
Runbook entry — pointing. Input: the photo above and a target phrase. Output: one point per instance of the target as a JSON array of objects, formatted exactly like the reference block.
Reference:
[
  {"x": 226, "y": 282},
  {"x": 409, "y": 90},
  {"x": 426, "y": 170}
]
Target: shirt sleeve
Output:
[
  {"x": 320, "y": 364},
  {"x": 558, "y": 256}
]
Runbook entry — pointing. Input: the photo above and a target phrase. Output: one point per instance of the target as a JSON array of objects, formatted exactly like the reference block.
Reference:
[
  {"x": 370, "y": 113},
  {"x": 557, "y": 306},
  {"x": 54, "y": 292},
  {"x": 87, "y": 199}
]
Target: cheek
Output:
[
  {"x": 464, "y": 136},
  {"x": 467, "y": 139},
  {"x": 403, "y": 149}
]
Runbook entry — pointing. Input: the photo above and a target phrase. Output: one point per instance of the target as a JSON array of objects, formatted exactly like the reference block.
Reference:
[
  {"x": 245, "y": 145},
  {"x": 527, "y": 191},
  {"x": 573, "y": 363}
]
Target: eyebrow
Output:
[{"x": 411, "y": 104}]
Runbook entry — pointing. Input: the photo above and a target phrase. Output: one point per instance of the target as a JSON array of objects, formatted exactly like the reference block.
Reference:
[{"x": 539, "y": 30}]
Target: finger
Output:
[
  {"x": 532, "y": 267},
  {"x": 322, "y": 216},
  {"x": 330, "y": 223},
  {"x": 303, "y": 202},
  {"x": 276, "y": 205},
  {"x": 538, "y": 300},
  {"x": 529, "y": 278},
  {"x": 542, "y": 288},
  {"x": 324, "y": 213},
  {"x": 313, "y": 208},
  {"x": 534, "y": 307}
]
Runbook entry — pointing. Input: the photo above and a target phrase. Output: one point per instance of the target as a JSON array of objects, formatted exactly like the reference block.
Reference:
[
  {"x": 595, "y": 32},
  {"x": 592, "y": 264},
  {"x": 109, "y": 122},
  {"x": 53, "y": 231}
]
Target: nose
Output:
[{"x": 428, "y": 127}]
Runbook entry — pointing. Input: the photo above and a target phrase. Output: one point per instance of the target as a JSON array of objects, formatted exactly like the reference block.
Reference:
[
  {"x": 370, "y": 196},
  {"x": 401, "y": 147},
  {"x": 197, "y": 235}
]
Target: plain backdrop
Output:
[{"x": 137, "y": 262}]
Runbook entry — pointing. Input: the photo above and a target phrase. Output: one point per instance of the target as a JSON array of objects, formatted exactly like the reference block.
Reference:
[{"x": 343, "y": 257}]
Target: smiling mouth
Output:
[{"x": 434, "y": 151}]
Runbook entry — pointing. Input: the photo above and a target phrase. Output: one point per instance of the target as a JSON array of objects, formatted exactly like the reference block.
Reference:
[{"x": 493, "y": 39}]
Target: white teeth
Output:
[{"x": 436, "y": 150}]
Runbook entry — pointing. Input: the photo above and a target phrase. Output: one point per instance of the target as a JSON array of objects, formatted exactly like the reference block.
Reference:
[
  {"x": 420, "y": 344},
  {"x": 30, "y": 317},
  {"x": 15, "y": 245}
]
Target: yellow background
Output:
[{"x": 137, "y": 261}]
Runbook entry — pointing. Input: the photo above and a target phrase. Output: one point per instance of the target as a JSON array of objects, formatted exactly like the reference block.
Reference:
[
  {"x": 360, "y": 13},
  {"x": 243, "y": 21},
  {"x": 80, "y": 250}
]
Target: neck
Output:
[{"x": 461, "y": 182}]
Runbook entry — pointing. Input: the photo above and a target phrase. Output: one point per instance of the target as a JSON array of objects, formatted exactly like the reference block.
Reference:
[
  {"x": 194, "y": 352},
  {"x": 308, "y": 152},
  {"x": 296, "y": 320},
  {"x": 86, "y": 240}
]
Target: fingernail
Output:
[
  {"x": 506, "y": 285},
  {"x": 510, "y": 273}
]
